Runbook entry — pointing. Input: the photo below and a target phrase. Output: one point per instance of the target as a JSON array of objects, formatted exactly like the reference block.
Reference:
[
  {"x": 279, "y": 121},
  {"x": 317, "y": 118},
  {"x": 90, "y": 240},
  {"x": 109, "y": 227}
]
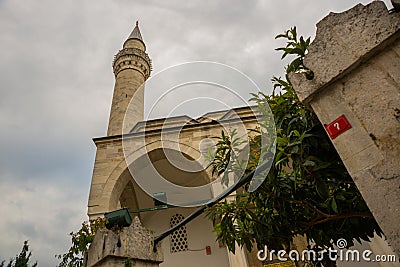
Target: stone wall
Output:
[
  {"x": 355, "y": 58},
  {"x": 133, "y": 244}
]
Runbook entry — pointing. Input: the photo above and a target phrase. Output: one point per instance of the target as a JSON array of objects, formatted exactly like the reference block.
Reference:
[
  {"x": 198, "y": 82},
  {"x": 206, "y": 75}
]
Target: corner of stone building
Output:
[{"x": 355, "y": 60}]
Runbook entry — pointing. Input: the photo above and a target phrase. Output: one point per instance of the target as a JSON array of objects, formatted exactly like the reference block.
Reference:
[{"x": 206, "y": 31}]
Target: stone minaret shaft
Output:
[{"x": 132, "y": 67}]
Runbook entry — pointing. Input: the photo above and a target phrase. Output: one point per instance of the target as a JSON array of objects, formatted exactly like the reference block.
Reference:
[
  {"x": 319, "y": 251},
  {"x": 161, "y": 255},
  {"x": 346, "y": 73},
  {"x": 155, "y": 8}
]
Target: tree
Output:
[
  {"x": 307, "y": 191},
  {"x": 80, "y": 242},
  {"x": 21, "y": 260}
]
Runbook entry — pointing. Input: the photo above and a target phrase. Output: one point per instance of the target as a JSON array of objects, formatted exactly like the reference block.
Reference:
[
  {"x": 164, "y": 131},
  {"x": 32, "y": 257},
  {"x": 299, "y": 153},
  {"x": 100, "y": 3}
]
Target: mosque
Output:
[{"x": 157, "y": 154}]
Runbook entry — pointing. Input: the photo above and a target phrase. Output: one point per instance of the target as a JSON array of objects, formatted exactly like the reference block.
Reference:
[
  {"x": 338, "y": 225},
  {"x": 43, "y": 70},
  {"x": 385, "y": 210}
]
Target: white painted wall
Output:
[{"x": 200, "y": 235}]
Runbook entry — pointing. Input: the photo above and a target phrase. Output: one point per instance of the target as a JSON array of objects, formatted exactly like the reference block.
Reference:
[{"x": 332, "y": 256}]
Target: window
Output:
[{"x": 179, "y": 237}]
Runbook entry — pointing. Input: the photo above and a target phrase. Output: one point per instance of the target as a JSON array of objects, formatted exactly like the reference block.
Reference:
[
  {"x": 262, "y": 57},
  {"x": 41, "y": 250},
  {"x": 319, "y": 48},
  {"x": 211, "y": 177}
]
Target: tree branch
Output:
[{"x": 341, "y": 216}]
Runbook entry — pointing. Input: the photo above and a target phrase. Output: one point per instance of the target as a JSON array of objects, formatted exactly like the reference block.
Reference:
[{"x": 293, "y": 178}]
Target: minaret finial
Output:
[{"x": 137, "y": 23}]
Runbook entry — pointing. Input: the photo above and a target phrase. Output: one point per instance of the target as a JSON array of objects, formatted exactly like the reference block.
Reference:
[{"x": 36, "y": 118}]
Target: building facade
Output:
[{"x": 136, "y": 151}]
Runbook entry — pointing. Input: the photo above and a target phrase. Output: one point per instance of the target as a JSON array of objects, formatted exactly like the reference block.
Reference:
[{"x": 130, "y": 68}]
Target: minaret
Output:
[{"x": 132, "y": 67}]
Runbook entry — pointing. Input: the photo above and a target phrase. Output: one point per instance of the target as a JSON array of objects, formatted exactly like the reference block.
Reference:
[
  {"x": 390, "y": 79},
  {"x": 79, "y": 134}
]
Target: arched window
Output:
[{"x": 179, "y": 237}]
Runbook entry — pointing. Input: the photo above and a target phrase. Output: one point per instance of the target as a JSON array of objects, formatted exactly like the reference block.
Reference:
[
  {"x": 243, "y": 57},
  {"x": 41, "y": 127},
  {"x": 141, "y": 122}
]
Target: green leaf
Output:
[
  {"x": 334, "y": 205},
  {"x": 322, "y": 189}
]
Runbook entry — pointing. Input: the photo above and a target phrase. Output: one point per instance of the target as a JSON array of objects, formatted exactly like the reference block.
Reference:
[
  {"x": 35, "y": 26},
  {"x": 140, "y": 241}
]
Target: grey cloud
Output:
[{"x": 41, "y": 213}]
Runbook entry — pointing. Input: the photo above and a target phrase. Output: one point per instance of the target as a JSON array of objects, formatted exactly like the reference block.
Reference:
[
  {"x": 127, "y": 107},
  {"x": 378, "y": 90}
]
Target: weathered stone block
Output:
[
  {"x": 134, "y": 243},
  {"x": 343, "y": 41}
]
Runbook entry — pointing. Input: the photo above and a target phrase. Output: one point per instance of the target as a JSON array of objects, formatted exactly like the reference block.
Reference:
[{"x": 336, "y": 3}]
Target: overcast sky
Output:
[{"x": 57, "y": 84}]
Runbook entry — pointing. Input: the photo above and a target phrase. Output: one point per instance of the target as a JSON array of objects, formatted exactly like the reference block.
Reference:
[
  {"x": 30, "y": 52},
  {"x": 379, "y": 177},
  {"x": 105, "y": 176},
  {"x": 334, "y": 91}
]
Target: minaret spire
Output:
[
  {"x": 135, "y": 34},
  {"x": 132, "y": 67}
]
